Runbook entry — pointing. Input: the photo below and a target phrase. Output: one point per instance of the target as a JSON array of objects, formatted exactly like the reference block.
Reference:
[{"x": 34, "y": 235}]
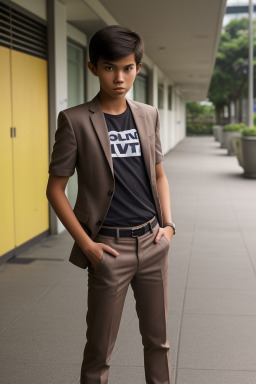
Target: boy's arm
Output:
[
  {"x": 165, "y": 201},
  {"x": 61, "y": 167},
  {"x": 56, "y": 196}
]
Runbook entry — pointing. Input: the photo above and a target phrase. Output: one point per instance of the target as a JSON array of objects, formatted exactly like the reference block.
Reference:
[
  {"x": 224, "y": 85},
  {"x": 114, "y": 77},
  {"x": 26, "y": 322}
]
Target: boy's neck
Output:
[{"x": 112, "y": 106}]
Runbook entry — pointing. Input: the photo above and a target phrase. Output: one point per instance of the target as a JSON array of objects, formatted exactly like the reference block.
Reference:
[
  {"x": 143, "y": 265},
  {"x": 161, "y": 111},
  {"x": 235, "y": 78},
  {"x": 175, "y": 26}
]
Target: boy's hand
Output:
[
  {"x": 95, "y": 252},
  {"x": 167, "y": 232}
]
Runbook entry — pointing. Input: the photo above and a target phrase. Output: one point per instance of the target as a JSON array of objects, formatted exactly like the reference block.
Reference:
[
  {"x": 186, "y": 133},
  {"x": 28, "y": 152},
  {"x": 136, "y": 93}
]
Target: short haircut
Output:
[{"x": 114, "y": 42}]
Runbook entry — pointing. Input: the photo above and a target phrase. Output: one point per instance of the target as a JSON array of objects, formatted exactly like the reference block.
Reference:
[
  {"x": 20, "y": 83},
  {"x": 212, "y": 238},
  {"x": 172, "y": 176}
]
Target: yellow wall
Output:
[
  {"x": 25, "y": 156},
  {"x": 6, "y": 155}
]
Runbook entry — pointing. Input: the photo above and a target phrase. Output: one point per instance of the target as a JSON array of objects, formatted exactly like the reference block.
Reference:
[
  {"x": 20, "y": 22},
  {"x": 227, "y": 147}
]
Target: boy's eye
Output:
[{"x": 109, "y": 68}]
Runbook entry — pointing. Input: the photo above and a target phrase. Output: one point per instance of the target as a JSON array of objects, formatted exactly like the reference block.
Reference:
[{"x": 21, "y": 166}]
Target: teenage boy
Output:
[{"x": 121, "y": 222}]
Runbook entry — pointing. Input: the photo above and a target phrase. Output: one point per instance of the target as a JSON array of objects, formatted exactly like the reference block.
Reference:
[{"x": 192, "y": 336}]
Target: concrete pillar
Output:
[
  {"x": 57, "y": 75},
  {"x": 232, "y": 113},
  {"x": 155, "y": 86},
  {"x": 164, "y": 123}
]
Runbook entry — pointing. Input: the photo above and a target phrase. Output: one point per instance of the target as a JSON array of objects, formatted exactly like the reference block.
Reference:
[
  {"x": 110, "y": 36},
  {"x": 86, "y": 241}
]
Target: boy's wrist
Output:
[
  {"x": 87, "y": 244},
  {"x": 171, "y": 226}
]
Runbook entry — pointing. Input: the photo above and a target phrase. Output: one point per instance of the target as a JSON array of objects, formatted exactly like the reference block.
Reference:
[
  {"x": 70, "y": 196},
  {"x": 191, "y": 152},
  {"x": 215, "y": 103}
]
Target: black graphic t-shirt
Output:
[{"x": 132, "y": 203}]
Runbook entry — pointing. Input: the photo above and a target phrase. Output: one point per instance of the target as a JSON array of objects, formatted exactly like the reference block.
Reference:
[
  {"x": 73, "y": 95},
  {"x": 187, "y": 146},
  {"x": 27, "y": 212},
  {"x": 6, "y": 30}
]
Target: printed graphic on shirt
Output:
[{"x": 124, "y": 143}]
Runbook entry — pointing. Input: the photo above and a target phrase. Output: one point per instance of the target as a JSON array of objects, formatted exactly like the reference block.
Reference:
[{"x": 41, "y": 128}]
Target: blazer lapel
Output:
[
  {"x": 100, "y": 126},
  {"x": 141, "y": 125}
]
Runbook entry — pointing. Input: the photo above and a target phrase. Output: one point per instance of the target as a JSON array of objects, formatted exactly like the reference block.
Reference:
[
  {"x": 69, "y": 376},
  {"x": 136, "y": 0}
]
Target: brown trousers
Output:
[{"x": 144, "y": 264}]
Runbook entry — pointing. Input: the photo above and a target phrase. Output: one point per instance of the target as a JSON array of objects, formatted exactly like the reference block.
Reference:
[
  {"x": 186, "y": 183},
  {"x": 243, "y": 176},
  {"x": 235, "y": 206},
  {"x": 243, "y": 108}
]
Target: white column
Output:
[
  {"x": 232, "y": 113},
  {"x": 250, "y": 72},
  {"x": 61, "y": 60},
  {"x": 58, "y": 80},
  {"x": 165, "y": 124},
  {"x": 155, "y": 86}
]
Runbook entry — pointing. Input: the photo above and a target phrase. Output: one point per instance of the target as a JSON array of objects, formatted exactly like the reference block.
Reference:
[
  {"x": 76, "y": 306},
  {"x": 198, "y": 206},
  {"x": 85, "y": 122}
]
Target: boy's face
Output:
[{"x": 115, "y": 77}]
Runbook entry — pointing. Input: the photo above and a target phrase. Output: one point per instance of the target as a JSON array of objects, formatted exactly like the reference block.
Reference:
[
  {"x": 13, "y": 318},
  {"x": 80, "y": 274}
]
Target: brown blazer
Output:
[{"x": 82, "y": 142}]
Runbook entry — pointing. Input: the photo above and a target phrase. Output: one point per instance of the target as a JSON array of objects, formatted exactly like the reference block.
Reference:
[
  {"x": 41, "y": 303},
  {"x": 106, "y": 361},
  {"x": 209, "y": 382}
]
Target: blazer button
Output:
[
  {"x": 110, "y": 193},
  {"x": 99, "y": 223}
]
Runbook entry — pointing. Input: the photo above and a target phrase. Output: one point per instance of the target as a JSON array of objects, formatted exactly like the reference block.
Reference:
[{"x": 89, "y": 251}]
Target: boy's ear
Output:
[
  {"x": 138, "y": 68},
  {"x": 92, "y": 68}
]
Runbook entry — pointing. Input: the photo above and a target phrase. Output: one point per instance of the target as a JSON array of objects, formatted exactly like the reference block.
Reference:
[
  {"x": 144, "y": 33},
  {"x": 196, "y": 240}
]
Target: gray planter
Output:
[
  {"x": 249, "y": 155},
  {"x": 216, "y": 132},
  {"x": 237, "y": 146},
  {"x": 227, "y": 140},
  {"x": 221, "y": 138}
]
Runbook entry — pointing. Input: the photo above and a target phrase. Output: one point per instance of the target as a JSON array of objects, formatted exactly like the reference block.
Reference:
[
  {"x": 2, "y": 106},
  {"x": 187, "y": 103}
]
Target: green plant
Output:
[
  {"x": 249, "y": 131},
  {"x": 195, "y": 129},
  {"x": 229, "y": 81},
  {"x": 234, "y": 127},
  {"x": 196, "y": 111}
]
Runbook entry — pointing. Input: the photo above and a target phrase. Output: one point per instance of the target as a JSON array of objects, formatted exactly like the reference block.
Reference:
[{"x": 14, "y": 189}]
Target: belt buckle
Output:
[{"x": 138, "y": 231}]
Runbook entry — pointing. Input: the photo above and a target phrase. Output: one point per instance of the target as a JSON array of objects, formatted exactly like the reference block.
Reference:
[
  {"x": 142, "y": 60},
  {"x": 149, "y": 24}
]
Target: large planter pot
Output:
[
  {"x": 221, "y": 138},
  {"x": 227, "y": 140},
  {"x": 216, "y": 132},
  {"x": 237, "y": 147},
  {"x": 249, "y": 155}
]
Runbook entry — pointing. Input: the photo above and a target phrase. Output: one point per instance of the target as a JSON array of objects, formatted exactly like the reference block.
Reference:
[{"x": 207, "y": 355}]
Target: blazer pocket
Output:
[{"x": 78, "y": 258}]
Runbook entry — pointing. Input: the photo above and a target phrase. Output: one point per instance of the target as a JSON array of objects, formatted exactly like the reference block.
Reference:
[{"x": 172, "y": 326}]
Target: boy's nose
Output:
[{"x": 119, "y": 77}]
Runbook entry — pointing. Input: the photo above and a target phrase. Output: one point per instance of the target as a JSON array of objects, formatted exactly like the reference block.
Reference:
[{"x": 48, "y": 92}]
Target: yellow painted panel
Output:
[
  {"x": 6, "y": 188},
  {"x": 31, "y": 153}
]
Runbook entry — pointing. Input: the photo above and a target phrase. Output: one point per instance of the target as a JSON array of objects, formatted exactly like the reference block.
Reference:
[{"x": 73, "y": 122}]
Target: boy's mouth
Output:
[{"x": 119, "y": 89}]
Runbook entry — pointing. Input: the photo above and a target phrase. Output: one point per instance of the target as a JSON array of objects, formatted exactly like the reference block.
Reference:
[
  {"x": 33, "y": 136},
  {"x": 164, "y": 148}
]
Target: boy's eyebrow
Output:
[{"x": 107, "y": 62}]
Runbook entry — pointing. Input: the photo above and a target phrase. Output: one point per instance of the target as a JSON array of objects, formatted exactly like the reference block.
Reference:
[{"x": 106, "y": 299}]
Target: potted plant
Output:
[
  {"x": 220, "y": 136},
  {"x": 228, "y": 132},
  {"x": 249, "y": 152},
  {"x": 216, "y": 132}
]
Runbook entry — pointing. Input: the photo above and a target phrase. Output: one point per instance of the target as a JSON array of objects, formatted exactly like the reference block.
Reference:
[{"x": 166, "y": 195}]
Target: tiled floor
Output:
[{"x": 212, "y": 317}]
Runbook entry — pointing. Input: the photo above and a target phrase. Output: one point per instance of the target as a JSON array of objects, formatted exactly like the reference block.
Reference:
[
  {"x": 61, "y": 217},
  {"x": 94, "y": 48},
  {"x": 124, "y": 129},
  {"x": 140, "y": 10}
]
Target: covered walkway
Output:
[{"x": 212, "y": 315}]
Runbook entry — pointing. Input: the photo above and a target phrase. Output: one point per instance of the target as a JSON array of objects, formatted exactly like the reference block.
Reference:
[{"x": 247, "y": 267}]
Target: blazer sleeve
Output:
[
  {"x": 64, "y": 153},
  {"x": 158, "y": 146}
]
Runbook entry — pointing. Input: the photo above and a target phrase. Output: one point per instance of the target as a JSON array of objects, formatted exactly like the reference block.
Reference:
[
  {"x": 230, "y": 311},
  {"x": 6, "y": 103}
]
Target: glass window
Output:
[
  {"x": 75, "y": 74},
  {"x": 170, "y": 97},
  {"x": 160, "y": 96},
  {"x": 76, "y": 94},
  {"x": 140, "y": 88}
]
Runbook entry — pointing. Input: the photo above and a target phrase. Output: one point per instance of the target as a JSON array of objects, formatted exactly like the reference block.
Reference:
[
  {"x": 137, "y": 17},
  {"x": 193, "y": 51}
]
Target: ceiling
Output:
[{"x": 181, "y": 37}]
